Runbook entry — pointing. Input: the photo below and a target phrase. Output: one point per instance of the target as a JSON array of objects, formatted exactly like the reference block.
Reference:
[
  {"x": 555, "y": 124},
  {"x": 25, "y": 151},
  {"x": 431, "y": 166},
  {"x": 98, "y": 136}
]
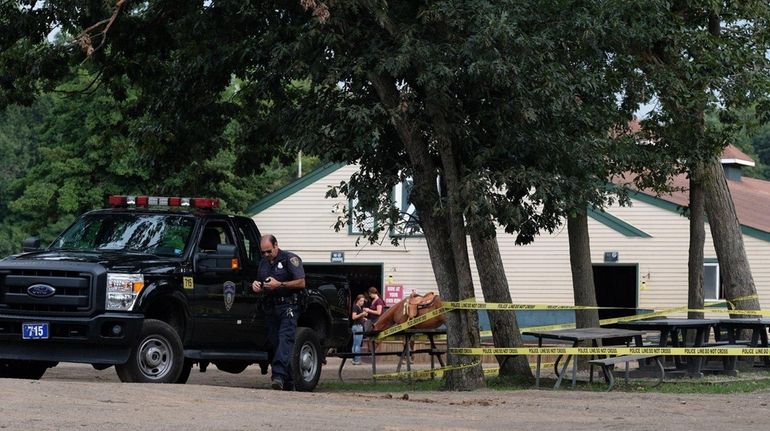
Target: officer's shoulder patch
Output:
[{"x": 294, "y": 261}]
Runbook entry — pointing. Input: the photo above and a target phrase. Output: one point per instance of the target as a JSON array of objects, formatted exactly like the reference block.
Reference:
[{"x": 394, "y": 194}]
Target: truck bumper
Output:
[{"x": 103, "y": 339}]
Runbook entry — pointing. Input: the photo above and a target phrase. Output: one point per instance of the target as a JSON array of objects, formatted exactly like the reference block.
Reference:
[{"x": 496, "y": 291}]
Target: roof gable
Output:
[
  {"x": 732, "y": 155},
  {"x": 602, "y": 217},
  {"x": 291, "y": 188},
  {"x": 752, "y": 203}
]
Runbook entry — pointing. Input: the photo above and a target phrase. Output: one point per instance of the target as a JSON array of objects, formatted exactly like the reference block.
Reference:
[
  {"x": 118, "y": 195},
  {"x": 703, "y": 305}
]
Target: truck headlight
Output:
[{"x": 122, "y": 291}]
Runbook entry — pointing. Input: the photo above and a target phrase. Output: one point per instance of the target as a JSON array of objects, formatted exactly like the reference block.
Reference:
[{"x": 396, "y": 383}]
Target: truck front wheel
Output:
[
  {"x": 158, "y": 357},
  {"x": 306, "y": 360}
]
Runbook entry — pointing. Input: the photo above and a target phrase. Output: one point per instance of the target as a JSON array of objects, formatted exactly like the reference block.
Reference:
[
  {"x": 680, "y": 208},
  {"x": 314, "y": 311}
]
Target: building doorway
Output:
[
  {"x": 616, "y": 285},
  {"x": 360, "y": 276}
]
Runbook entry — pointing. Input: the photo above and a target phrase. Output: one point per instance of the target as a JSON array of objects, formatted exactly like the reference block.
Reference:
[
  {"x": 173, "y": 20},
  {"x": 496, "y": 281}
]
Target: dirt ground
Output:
[{"x": 78, "y": 397}]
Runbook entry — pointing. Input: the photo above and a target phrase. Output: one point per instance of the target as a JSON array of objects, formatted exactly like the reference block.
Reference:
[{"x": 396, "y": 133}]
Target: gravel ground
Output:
[{"x": 79, "y": 397}]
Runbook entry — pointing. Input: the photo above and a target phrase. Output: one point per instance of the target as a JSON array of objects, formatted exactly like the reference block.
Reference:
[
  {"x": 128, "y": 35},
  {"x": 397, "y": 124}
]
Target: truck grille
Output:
[{"x": 73, "y": 291}]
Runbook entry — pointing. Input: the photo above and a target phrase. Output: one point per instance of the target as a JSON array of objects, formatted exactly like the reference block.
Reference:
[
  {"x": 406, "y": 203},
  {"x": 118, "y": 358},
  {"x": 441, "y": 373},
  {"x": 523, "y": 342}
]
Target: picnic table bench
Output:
[
  {"x": 608, "y": 365},
  {"x": 404, "y": 354},
  {"x": 732, "y": 328},
  {"x": 594, "y": 336},
  {"x": 675, "y": 332}
]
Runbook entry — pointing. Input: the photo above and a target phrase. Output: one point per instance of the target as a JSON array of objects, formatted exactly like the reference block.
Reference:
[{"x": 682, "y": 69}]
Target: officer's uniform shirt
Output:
[{"x": 286, "y": 267}]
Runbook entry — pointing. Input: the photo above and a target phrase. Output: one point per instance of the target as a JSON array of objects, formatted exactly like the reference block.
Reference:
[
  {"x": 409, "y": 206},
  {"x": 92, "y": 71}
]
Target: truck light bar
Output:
[{"x": 175, "y": 201}]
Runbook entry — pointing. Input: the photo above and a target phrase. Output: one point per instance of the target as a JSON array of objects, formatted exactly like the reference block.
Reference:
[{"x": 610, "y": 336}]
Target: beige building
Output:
[{"x": 639, "y": 252}]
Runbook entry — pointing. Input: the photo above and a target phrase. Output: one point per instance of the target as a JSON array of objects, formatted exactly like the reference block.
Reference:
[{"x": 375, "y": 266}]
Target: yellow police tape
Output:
[
  {"x": 412, "y": 322},
  {"x": 470, "y": 304},
  {"x": 662, "y": 351},
  {"x": 603, "y": 321},
  {"x": 425, "y": 373},
  {"x": 417, "y": 320},
  {"x": 726, "y": 311}
]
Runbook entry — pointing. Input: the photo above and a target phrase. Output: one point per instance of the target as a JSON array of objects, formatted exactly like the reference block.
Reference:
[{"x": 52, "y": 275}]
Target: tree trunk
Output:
[
  {"x": 582, "y": 270},
  {"x": 494, "y": 286},
  {"x": 444, "y": 238},
  {"x": 472, "y": 377},
  {"x": 697, "y": 240},
  {"x": 734, "y": 266}
]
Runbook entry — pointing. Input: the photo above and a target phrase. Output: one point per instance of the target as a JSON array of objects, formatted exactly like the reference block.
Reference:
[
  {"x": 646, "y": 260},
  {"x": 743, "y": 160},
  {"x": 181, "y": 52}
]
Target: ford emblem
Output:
[{"x": 41, "y": 291}]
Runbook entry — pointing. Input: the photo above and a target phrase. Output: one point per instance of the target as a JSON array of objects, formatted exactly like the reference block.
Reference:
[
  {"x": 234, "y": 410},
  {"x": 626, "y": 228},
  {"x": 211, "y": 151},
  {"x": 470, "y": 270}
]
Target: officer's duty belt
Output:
[{"x": 280, "y": 300}]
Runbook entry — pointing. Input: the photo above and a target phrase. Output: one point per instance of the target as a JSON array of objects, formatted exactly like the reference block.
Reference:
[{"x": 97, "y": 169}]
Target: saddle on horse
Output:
[{"x": 409, "y": 308}]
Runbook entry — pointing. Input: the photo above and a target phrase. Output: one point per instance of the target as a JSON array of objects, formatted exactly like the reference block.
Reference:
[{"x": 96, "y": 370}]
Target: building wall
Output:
[{"x": 537, "y": 273}]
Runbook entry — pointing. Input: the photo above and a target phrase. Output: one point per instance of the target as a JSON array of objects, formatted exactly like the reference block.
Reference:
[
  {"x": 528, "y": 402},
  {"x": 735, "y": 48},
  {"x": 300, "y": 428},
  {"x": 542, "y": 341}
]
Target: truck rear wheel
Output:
[
  {"x": 158, "y": 357},
  {"x": 306, "y": 360},
  {"x": 30, "y": 370}
]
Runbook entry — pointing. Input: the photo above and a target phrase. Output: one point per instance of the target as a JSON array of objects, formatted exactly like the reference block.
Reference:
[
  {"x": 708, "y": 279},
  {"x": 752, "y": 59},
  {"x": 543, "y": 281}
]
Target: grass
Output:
[{"x": 745, "y": 382}]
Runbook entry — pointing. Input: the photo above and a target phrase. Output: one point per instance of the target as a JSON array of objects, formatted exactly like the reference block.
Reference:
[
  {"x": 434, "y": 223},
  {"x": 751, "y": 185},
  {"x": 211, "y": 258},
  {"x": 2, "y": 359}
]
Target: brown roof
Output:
[
  {"x": 750, "y": 195},
  {"x": 732, "y": 153}
]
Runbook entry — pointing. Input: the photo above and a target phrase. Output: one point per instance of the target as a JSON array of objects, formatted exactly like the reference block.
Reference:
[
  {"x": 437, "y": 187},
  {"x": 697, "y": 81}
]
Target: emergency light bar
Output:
[{"x": 146, "y": 201}]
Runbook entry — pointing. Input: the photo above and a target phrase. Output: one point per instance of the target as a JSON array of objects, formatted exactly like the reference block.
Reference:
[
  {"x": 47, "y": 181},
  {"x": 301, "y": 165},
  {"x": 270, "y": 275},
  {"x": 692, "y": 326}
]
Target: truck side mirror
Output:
[
  {"x": 224, "y": 260},
  {"x": 31, "y": 243}
]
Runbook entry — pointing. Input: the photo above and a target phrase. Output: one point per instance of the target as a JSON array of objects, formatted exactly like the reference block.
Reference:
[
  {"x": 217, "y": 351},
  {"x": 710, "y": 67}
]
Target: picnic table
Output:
[
  {"x": 405, "y": 354},
  {"x": 733, "y": 327},
  {"x": 596, "y": 336},
  {"x": 675, "y": 331}
]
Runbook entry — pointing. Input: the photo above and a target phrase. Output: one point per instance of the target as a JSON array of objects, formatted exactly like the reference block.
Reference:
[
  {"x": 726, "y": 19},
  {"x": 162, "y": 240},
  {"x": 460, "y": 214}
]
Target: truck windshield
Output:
[{"x": 157, "y": 234}]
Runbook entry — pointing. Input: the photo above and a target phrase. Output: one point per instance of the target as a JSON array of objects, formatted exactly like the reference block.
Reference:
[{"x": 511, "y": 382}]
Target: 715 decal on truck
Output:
[{"x": 154, "y": 286}]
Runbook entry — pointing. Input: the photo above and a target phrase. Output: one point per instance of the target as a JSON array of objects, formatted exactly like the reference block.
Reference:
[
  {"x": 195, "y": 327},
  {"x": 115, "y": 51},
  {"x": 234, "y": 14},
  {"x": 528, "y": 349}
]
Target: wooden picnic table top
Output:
[
  {"x": 666, "y": 323},
  {"x": 584, "y": 334},
  {"x": 745, "y": 322}
]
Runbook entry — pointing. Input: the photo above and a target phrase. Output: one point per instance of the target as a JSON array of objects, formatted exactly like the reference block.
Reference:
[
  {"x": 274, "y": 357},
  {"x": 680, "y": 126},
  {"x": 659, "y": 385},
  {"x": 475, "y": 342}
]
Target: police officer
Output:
[{"x": 281, "y": 276}]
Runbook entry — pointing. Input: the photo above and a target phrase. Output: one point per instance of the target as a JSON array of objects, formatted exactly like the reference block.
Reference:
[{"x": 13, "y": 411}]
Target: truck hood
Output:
[{"x": 112, "y": 261}]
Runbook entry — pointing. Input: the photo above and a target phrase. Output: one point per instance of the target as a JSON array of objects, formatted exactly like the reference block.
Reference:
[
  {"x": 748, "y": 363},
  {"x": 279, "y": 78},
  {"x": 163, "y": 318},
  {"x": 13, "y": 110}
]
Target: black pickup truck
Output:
[{"x": 154, "y": 292}]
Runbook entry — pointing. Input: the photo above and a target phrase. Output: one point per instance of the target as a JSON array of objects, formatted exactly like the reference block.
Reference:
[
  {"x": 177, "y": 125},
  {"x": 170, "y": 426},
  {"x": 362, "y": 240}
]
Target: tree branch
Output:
[
  {"x": 87, "y": 87},
  {"x": 85, "y": 38},
  {"x": 319, "y": 8}
]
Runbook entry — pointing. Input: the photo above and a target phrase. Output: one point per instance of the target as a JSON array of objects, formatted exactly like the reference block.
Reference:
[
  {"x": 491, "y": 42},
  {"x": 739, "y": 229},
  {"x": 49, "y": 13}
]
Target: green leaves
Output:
[{"x": 200, "y": 97}]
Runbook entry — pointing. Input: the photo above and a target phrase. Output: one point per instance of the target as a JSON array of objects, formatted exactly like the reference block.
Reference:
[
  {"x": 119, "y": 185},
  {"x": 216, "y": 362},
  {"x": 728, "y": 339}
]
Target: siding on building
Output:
[{"x": 537, "y": 273}]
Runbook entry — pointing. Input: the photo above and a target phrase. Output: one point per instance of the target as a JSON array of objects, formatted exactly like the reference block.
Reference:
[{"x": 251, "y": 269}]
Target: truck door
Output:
[
  {"x": 214, "y": 294},
  {"x": 253, "y": 326}
]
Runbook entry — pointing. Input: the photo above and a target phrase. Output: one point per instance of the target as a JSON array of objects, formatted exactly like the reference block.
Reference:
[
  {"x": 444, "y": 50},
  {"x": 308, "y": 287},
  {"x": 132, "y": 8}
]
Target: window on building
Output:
[
  {"x": 360, "y": 222},
  {"x": 409, "y": 223},
  {"x": 712, "y": 283}
]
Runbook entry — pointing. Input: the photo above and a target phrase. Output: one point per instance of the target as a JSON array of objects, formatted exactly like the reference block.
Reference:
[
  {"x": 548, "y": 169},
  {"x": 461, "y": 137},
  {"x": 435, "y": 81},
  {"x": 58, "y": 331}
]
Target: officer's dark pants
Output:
[{"x": 281, "y": 326}]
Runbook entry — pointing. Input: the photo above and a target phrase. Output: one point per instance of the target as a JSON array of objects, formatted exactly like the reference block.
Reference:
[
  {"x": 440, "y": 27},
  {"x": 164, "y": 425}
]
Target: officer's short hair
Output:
[{"x": 271, "y": 238}]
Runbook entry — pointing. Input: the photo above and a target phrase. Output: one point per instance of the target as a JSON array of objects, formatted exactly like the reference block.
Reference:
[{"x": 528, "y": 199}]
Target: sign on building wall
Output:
[
  {"x": 611, "y": 256},
  {"x": 338, "y": 257},
  {"x": 393, "y": 294}
]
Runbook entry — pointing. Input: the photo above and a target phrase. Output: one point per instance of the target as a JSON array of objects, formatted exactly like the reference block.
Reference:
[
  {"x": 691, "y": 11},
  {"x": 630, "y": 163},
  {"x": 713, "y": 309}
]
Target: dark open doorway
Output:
[
  {"x": 616, "y": 286},
  {"x": 360, "y": 276}
]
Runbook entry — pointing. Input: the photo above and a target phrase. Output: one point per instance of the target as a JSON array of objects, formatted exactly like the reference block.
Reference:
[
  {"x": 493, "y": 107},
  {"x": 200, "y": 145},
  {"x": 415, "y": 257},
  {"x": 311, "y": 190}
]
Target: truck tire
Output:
[
  {"x": 16, "y": 369},
  {"x": 158, "y": 356},
  {"x": 306, "y": 360}
]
